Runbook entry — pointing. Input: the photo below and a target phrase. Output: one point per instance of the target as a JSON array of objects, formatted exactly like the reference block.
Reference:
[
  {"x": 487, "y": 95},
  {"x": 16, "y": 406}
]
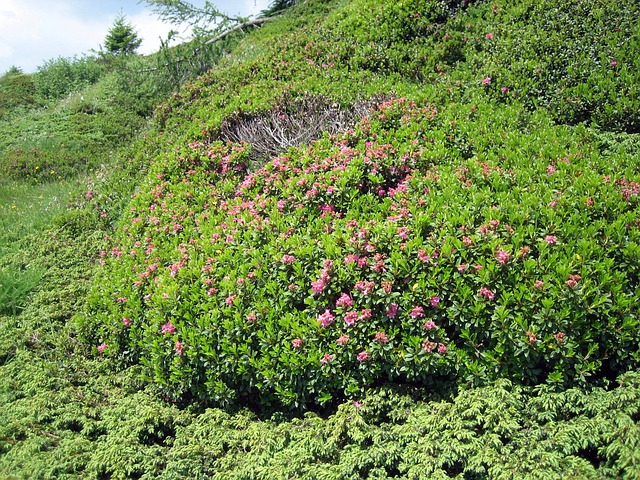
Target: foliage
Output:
[
  {"x": 122, "y": 38},
  {"x": 16, "y": 90},
  {"x": 429, "y": 262},
  {"x": 59, "y": 77},
  {"x": 448, "y": 147},
  {"x": 277, "y": 6}
]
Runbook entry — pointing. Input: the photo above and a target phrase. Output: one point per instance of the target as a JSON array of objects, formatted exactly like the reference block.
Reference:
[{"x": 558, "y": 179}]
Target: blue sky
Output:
[{"x": 34, "y": 31}]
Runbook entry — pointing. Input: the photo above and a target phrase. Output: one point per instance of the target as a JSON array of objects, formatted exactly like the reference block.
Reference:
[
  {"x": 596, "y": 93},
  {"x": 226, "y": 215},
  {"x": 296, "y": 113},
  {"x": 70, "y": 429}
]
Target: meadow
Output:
[{"x": 373, "y": 240}]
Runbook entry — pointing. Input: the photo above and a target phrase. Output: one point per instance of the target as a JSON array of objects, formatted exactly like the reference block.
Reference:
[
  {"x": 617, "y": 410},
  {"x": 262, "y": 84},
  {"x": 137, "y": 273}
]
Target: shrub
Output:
[
  {"x": 16, "y": 90},
  {"x": 382, "y": 254},
  {"x": 61, "y": 76}
]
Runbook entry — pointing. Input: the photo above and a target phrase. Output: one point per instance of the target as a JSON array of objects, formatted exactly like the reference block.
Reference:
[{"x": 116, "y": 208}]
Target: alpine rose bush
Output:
[{"x": 381, "y": 254}]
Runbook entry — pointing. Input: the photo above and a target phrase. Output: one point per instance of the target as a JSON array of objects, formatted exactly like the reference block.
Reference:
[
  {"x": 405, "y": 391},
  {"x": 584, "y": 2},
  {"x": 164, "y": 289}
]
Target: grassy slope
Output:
[{"x": 66, "y": 415}]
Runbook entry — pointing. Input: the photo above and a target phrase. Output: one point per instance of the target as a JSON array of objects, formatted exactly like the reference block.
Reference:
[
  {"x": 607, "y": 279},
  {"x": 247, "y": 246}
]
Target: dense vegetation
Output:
[{"x": 377, "y": 240}]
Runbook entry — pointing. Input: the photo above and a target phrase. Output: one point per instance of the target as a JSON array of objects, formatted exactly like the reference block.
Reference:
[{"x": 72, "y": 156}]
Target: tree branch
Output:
[{"x": 251, "y": 23}]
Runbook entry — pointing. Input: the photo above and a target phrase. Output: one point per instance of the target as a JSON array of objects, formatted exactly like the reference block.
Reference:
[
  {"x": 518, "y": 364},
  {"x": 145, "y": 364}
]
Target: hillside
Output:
[{"x": 375, "y": 240}]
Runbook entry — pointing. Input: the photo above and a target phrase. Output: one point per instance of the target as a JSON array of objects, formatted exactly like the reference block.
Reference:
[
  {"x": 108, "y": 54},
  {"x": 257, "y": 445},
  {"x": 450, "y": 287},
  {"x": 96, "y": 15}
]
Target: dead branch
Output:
[{"x": 251, "y": 23}]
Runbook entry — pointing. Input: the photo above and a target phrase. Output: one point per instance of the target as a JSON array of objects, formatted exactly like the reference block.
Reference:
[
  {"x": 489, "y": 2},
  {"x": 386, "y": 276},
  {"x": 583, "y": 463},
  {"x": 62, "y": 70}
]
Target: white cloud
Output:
[{"x": 34, "y": 31}]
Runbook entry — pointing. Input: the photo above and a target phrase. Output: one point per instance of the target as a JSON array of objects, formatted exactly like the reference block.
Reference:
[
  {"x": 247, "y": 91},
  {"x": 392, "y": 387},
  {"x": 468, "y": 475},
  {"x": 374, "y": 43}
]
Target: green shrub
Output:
[
  {"x": 61, "y": 76},
  {"x": 16, "y": 90},
  {"x": 425, "y": 245}
]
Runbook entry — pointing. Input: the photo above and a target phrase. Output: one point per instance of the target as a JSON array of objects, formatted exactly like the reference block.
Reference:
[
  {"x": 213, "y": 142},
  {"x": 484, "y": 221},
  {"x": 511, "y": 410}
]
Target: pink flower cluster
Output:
[
  {"x": 502, "y": 256},
  {"x": 327, "y": 358},
  {"x": 365, "y": 287},
  {"x": 288, "y": 259},
  {"x": 486, "y": 293},
  {"x": 344, "y": 301},
  {"x": 573, "y": 281},
  {"x": 326, "y": 318},
  {"x": 429, "y": 346},
  {"x": 318, "y": 286},
  {"x": 168, "y": 328}
]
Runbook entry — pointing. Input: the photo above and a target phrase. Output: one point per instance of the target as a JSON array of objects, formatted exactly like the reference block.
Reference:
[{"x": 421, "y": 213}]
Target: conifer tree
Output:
[{"x": 122, "y": 38}]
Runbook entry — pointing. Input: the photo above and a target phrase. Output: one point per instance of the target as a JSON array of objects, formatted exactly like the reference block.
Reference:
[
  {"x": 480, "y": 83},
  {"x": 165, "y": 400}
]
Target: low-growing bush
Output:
[
  {"x": 16, "y": 90},
  {"x": 383, "y": 254},
  {"x": 60, "y": 76}
]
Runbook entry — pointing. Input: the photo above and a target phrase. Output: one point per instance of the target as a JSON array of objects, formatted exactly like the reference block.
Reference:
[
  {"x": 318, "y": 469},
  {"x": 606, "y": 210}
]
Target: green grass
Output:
[
  {"x": 26, "y": 211},
  {"x": 25, "y": 208}
]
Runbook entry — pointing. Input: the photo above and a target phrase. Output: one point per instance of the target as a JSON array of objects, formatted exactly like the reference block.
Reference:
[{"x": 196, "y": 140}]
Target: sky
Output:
[{"x": 35, "y": 31}]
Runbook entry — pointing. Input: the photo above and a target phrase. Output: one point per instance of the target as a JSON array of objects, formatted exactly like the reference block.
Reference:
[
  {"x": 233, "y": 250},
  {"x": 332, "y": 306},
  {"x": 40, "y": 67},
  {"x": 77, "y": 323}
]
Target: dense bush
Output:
[
  {"x": 16, "y": 90},
  {"x": 60, "y": 76},
  {"x": 425, "y": 244}
]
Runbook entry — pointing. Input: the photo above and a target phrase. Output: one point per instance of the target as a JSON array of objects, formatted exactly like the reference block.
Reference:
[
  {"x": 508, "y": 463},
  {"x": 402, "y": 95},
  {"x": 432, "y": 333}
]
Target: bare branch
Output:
[{"x": 250, "y": 23}]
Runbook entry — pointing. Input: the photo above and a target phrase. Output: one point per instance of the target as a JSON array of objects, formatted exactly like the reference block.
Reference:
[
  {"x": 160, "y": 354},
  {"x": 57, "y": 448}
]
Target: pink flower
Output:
[
  {"x": 462, "y": 267},
  {"x": 126, "y": 321},
  {"x": 486, "y": 293},
  {"x": 423, "y": 256},
  {"x": 489, "y": 36},
  {"x": 613, "y": 63},
  {"x": 168, "y": 328},
  {"x": 538, "y": 284},
  {"x": 179, "y": 347},
  {"x": 381, "y": 337},
  {"x": 573, "y": 281},
  {"x": 350, "y": 318},
  {"x": 327, "y": 358},
  {"x": 502, "y": 256},
  {"x": 551, "y": 170},
  {"x": 251, "y": 317},
  {"x": 102, "y": 347},
  {"x": 288, "y": 259},
  {"x": 559, "y": 337},
  {"x": 297, "y": 343},
  {"x": 430, "y": 325},
  {"x": 504, "y": 89},
  {"x": 358, "y": 404},
  {"x": 553, "y": 203},
  {"x": 486, "y": 81},
  {"x": 317, "y": 286},
  {"x": 229, "y": 300},
  {"x": 326, "y": 318},
  {"x": 434, "y": 301},
  {"x": 428, "y": 346},
  {"x": 344, "y": 301},
  {"x": 365, "y": 287},
  {"x": 442, "y": 348},
  {"x": 417, "y": 312},
  {"x": 392, "y": 310},
  {"x": 363, "y": 356},
  {"x": 343, "y": 339},
  {"x": 550, "y": 239},
  {"x": 402, "y": 232}
]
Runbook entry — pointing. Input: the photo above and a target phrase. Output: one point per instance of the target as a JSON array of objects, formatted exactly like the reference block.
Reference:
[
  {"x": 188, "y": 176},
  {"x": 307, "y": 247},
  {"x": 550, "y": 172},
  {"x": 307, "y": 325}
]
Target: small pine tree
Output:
[{"x": 122, "y": 39}]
